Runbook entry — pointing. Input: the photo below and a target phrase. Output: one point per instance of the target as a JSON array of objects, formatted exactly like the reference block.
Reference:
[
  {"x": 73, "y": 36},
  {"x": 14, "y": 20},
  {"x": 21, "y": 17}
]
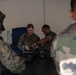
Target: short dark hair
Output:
[
  {"x": 45, "y": 26},
  {"x": 30, "y": 26},
  {"x": 73, "y": 4}
]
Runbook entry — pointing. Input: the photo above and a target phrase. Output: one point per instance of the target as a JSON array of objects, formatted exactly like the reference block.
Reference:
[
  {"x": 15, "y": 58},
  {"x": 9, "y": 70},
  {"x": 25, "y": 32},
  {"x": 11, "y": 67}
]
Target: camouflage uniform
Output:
[
  {"x": 10, "y": 59},
  {"x": 64, "y": 51},
  {"x": 51, "y": 35},
  {"x": 27, "y": 39}
]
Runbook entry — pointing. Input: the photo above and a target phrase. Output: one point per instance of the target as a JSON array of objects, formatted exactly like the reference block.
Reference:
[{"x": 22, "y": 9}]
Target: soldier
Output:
[
  {"x": 8, "y": 57},
  {"x": 27, "y": 39},
  {"x": 64, "y": 47},
  {"x": 47, "y": 40}
]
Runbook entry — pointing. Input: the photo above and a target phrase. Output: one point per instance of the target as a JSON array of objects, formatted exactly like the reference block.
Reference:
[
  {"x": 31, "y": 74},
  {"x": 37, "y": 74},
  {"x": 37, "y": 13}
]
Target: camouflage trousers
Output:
[{"x": 10, "y": 59}]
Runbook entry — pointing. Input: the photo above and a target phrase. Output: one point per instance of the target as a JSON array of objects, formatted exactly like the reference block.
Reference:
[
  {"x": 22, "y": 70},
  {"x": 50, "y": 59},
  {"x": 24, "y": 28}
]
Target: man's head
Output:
[
  {"x": 2, "y": 16},
  {"x": 1, "y": 27},
  {"x": 73, "y": 9},
  {"x": 45, "y": 29},
  {"x": 30, "y": 29}
]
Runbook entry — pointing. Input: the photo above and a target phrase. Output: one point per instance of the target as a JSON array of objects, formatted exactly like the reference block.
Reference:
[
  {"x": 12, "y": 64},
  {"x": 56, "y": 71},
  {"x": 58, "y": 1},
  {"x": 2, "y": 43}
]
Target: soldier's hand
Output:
[
  {"x": 27, "y": 48},
  {"x": 34, "y": 45}
]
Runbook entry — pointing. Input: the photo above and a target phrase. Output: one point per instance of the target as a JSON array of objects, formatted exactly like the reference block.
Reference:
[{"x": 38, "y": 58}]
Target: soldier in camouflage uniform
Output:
[
  {"x": 64, "y": 47},
  {"x": 27, "y": 39},
  {"x": 8, "y": 57},
  {"x": 45, "y": 43},
  {"x": 49, "y": 37}
]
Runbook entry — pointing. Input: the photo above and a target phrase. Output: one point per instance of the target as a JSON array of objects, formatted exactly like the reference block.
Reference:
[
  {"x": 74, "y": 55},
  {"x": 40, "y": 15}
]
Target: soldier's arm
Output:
[
  {"x": 40, "y": 42},
  {"x": 43, "y": 40},
  {"x": 21, "y": 42}
]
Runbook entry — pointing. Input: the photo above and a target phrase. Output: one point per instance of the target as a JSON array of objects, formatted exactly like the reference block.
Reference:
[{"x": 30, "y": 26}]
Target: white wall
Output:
[
  {"x": 21, "y": 12},
  {"x": 57, "y": 14}
]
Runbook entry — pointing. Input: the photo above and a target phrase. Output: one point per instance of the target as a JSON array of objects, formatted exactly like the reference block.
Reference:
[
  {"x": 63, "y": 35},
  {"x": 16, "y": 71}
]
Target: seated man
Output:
[
  {"x": 64, "y": 47},
  {"x": 27, "y": 39},
  {"x": 8, "y": 58},
  {"x": 47, "y": 40}
]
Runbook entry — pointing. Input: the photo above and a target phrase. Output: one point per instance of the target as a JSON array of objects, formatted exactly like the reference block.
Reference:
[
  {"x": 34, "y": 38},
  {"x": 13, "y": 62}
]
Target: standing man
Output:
[
  {"x": 47, "y": 40},
  {"x": 64, "y": 47},
  {"x": 8, "y": 57}
]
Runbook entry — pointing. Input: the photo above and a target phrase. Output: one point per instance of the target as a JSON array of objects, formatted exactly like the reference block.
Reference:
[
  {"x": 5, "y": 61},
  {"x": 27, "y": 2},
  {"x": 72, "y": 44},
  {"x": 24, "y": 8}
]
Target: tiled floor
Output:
[{"x": 40, "y": 66}]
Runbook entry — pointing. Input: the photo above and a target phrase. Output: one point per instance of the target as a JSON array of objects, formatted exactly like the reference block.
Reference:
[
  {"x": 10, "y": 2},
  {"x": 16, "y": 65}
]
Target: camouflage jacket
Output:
[
  {"x": 10, "y": 59},
  {"x": 27, "y": 39},
  {"x": 51, "y": 35},
  {"x": 64, "y": 51}
]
